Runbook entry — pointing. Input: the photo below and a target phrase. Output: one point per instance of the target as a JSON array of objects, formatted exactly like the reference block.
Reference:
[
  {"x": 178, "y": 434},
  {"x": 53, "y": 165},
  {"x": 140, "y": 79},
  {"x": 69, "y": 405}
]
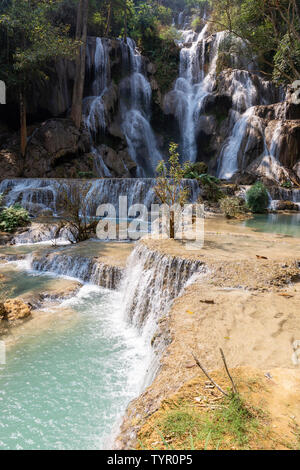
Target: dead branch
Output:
[
  {"x": 228, "y": 373},
  {"x": 206, "y": 373}
]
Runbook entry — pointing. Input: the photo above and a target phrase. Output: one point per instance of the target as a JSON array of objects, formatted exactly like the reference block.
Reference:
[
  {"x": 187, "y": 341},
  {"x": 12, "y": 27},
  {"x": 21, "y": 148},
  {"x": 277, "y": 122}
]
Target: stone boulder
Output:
[
  {"x": 54, "y": 140},
  {"x": 14, "y": 310},
  {"x": 11, "y": 162},
  {"x": 118, "y": 162},
  {"x": 286, "y": 206}
]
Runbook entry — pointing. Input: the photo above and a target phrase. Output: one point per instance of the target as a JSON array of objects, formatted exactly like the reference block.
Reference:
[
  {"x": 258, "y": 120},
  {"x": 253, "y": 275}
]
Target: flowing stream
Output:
[
  {"x": 66, "y": 386},
  {"x": 76, "y": 366}
]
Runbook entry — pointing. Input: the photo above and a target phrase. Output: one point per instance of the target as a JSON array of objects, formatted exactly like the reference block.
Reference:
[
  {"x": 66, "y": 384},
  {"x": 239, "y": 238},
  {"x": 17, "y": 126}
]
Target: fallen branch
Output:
[
  {"x": 206, "y": 373},
  {"x": 228, "y": 373}
]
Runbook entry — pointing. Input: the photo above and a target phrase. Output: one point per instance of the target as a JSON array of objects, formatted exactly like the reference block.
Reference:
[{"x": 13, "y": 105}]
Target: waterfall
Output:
[
  {"x": 38, "y": 195},
  {"x": 244, "y": 97},
  {"x": 151, "y": 282},
  {"x": 89, "y": 270},
  {"x": 135, "y": 92},
  {"x": 93, "y": 106},
  {"x": 191, "y": 88}
]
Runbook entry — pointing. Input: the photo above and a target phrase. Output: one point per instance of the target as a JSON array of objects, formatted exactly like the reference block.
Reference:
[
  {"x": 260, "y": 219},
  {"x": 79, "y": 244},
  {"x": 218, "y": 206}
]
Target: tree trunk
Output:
[
  {"x": 81, "y": 34},
  {"x": 172, "y": 224},
  {"x": 125, "y": 21},
  {"x": 23, "y": 123},
  {"x": 107, "y": 29}
]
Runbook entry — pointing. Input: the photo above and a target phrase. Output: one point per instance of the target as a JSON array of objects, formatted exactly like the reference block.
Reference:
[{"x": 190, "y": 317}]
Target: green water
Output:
[
  {"x": 66, "y": 387},
  {"x": 283, "y": 224}
]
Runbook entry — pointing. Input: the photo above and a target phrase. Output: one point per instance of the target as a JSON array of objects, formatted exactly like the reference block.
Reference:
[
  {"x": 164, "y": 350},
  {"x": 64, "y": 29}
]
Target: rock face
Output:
[
  {"x": 53, "y": 141},
  {"x": 14, "y": 310},
  {"x": 119, "y": 163},
  {"x": 266, "y": 146},
  {"x": 286, "y": 206}
]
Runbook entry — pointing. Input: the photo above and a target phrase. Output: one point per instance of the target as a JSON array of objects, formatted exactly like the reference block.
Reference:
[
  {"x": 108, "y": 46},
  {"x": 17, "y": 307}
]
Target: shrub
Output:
[
  {"x": 257, "y": 198},
  {"x": 194, "y": 170},
  {"x": 286, "y": 184},
  {"x": 13, "y": 217},
  {"x": 232, "y": 207},
  {"x": 210, "y": 185}
]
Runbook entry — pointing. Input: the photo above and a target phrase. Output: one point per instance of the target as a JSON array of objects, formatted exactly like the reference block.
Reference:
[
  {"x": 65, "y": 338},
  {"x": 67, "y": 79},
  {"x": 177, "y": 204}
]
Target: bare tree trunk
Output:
[
  {"x": 107, "y": 28},
  {"x": 23, "y": 123},
  {"x": 172, "y": 224},
  {"x": 81, "y": 34},
  {"x": 125, "y": 21}
]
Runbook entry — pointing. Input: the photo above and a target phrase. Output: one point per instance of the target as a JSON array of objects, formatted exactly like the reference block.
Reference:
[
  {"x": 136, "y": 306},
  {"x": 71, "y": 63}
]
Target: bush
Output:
[
  {"x": 210, "y": 185},
  {"x": 13, "y": 217},
  {"x": 232, "y": 207},
  {"x": 194, "y": 170},
  {"x": 257, "y": 198}
]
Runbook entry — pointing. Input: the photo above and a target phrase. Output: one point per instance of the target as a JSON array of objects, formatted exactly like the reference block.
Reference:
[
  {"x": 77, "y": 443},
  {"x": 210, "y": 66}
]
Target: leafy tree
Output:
[
  {"x": 32, "y": 43},
  {"x": 270, "y": 28},
  {"x": 13, "y": 217},
  {"x": 257, "y": 198},
  {"x": 169, "y": 187}
]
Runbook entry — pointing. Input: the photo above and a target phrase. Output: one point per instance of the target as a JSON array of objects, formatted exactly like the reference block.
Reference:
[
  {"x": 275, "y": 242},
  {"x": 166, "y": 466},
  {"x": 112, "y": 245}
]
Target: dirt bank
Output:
[{"x": 248, "y": 303}]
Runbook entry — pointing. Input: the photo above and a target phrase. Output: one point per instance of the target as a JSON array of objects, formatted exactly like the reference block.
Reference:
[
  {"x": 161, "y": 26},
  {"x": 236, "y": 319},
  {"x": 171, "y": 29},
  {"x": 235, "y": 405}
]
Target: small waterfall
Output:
[
  {"x": 37, "y": 195},
  {"x": 89, "y": 270},
  {"x": 151, "y": 282},
  {"x": 244, "y": 97},
  {"x": 135, "y": 91}
]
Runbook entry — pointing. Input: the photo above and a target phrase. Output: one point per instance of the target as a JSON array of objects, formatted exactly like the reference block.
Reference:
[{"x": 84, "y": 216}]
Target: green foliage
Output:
[
  {"x": 13, "y": 217},
  {"x": 31, "y": 41},
  {"x": 286, "y": 184},
  {"x": 210, "y": 185},
  {"x": 194, "y": 170},
  {"x": 179, "y": 423},
  {"x": 169, "y": 187},
  {"x": 233, "y": 207},
  {"x": 270, "y": 30},
  {"x": 232, "y": 423},
  {"x": 233, "y": 418},
  {"x": 257, "y": 198}
]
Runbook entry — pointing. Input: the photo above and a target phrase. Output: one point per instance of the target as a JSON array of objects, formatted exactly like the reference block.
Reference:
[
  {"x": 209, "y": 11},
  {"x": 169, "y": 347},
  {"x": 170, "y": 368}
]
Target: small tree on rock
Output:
[{"x": 170, "y": 189}]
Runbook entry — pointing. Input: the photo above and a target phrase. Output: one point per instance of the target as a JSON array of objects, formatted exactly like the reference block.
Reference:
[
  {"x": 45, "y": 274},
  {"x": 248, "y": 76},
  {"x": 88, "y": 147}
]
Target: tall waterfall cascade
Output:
[
  {"x": 136, "y": 96},
  {"x": 135, "y": 106},
  {"x": 198, "y": 79}
]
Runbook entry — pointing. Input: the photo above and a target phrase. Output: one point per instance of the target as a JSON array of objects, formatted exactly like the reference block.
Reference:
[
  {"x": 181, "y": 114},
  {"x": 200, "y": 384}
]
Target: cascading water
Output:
[
  {"x": 94, "y": 109},
  {"x": 152, "y": 281},
  {"x": 244, "y": 97},
  {"x": 135, "y": 91},
  {"x": 38, "y": 195},
  {"x": 186, "y": 100},
  {"x": 86, "y": 269}
]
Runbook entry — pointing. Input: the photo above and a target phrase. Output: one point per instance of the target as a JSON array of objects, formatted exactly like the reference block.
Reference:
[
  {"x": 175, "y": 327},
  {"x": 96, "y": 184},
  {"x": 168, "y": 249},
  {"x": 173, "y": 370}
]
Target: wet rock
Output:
[
  {"x": 16, "y": 310},
  {"x": 151, "y": 68},
  {"x": 53, "y": 141},
  {"x": 286, "y": 206},
  {"x": 119, "y": 163}
]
